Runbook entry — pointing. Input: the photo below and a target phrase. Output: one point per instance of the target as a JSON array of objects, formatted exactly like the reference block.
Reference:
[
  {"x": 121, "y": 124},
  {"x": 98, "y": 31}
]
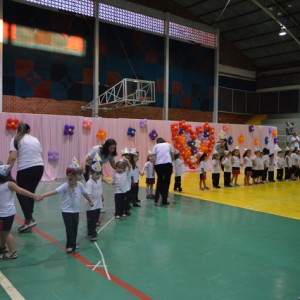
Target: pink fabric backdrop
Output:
[{"x": 49, "y": 130}]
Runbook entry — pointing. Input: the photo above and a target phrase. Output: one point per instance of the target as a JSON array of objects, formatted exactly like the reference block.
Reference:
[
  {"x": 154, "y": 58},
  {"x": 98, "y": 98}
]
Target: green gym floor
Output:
[{"x": 192, "y": 249}]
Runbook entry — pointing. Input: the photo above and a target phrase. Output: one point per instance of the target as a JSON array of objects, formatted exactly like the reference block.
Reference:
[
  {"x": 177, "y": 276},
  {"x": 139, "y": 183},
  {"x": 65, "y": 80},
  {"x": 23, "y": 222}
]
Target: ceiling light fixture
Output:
[{"x": 282, "y": 31}]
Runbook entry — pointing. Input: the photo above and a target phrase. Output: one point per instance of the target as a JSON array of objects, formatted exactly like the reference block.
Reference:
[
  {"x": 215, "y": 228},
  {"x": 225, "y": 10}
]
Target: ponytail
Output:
[{"x": 23, "y": 128}]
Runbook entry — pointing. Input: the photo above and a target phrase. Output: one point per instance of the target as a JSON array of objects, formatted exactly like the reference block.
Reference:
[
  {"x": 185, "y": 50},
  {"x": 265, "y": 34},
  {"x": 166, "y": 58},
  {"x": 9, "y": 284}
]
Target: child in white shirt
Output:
[
  {"x": 271, "y": 167},
  {"x": 236, "y": 166},
  {"x": 150, "y": 177},
  {"x": 227, "y": 168},
  {"x": 178, "y": 163},
  {"x": 71, "y": 191},
  {"x": 288, "y": 164},
  {"x": 120, "y": 183},
  {"x": 260, "y": 168},
  {"x": 7, "y": 211},
  {"x": 216, "y": 169},
  {"x": 94, "y": 189},
  {"x": 248, "y": 167},
  {"x": 203, "y": 170},
  {"x": 280, "y": 165}
]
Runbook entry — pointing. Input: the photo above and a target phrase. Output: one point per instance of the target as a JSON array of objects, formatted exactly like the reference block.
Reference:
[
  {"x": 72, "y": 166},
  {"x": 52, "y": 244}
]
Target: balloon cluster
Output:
[
  {"x": 143, "y": 123},
  {"x": 53, "y": 155},
  {"x": 189, "y": 142},
  {"x": 69, "y": 129},
  {"x": 101, "y": 134},
  {"x": 251, "y": 128},
  {"x": 153, "y": 134},
  {"x": 12, "y": 123},
  {"x": 87, "y": 124},
  {"x": 131, "y": 131},
  {"x": 255, "y": 141}
]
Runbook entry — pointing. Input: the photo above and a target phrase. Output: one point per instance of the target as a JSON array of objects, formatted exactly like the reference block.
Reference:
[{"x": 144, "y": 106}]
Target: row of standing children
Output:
[{"x": 259, "y": 166}]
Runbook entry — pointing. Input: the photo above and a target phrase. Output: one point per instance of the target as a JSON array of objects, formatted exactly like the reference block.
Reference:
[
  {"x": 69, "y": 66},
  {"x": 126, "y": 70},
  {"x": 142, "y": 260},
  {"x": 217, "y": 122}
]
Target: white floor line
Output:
[
  {"x": 10, "y": 289},
  {"x": 112, "y": 218},
  {"x": 103, "y": 260}
]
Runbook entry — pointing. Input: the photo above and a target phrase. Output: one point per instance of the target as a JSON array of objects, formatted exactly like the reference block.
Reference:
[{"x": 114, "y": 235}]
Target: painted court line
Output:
[
  {"x": 9, "y": 288},
  {"x": 84, "y": 260}
]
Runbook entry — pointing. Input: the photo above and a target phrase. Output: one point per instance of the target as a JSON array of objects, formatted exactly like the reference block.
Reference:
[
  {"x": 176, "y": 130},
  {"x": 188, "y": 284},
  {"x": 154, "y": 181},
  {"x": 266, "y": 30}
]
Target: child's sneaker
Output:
[
  {"x": 27, "y": 225},
  {"x": 93, "y": 238},
  {"x": 117, "y": 217},
  {"x": 206, "y": 188},
  {"x": 70, "y": 250},
  {"x": 201, "y": 189}
]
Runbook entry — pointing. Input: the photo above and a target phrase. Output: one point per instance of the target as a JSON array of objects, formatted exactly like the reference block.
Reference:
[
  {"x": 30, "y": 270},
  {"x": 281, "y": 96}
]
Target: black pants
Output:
[
  {"x": 71, "y": 221},
  {"x": 264, "y": 174},
  {"x": 271, "y": 176},
  {"x": 215, "y": 179},
  {"x": 92, "y": 217},
  {"x": 28, "y": 179},
  {"x": 134, "y": 193},
  {"x": 227, "y": 178},
  {"x": 164, "y": 172},
  {"x": 177, "y": 183},
  {"x": 279, "y": 174},
  {"x": 288, "y": 173},
  {"x": 120, "y": 204}
]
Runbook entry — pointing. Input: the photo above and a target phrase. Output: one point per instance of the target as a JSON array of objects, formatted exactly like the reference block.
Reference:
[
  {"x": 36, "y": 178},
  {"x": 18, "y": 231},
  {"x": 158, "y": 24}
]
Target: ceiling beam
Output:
[
  {"x": 272, "y": 55},
  {"x": 265, "y": 10}
]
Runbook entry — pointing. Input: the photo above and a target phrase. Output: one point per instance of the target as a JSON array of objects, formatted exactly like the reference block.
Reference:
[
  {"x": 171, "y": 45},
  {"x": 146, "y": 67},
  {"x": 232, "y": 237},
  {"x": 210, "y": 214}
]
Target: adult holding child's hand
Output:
[{"x": 26, "y": 150}]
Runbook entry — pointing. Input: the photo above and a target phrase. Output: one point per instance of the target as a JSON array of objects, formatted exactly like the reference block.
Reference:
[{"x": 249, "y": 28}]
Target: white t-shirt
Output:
[
  {"x": 178, "y": 167},
  {"x": 162, "y": 151},
  {"x": 149, "y": 167},
  {"x": 94, "y": 188},
  {"x": 120, "y": 182},
  {"x": 288, "y": 162},
  {"x": 260, "y": 163},
  {"x": 29, "y": 152},
  {"x": 271, "y": 165},
  {"x": 97, "y": 149},
  {"x": 135, "y": 174},
  {"x": 294, "y": 157},
  {"x": 203, "y": 167},
  {"x": 227, "y": 165},
  {"x": 295, "y": 141},
  {"x": 71, "y": 196},
  {"x": 280, "y": 162},
  {"x": 254, "y": 159},
  {"x": 247, "y": 162},
  {"x": 236, "y": 162},
  {"x": 216, "y": 166},
  {"x": 7, "y": 205},
  {"x": 266, "y": 160}
]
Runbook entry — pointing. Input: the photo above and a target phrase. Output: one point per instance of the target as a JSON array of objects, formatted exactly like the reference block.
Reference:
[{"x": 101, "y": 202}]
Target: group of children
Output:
[
  {"x": 125, "y": 182},
  {"x": 258, "y": 165}
]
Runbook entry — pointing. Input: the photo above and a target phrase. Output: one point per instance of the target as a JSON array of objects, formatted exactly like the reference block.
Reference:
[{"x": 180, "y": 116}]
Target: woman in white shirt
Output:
[
  {"x": 26, "y": 150},
  {"x": 164, "y": 155}
]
